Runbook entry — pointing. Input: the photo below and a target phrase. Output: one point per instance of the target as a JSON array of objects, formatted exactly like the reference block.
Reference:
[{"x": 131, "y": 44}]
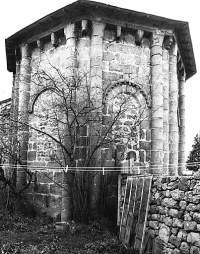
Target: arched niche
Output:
[
  {"x": 37, "y": 95},
  {"x": 135, "y": 104}
]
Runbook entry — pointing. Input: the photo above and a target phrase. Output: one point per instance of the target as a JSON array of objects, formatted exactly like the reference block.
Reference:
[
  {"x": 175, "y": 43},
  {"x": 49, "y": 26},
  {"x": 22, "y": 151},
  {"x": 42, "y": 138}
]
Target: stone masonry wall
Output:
[
  {"x": 45, "y": 192},
  {"x": 174, "y": 213},
  {"x": 123, "y": 61}
]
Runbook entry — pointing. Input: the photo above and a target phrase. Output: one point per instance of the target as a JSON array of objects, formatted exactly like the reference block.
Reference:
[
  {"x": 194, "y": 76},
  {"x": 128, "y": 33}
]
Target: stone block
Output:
[
  {"x": 114, "y": 47},
  {"x": 142, "y": 156},
  {"x": 129, "y": 69},
  {"x": 55, "y": 189},
  {"x": 31, "y": 155},
  {"x": 155, "y": 217},
  {"x": 82, "y": 153},
  {"x": 177, "y": 223},
  {"x": 44, "y": 177},
  {"x": 182, "y": 205},
  {"x": 184, "y": 248},
  {"x": 41, "y": 188},
  {"x": 108, "y": 56},
  {"x": 190, "y": 225},
  {"x": 194, "y": 250},
  {"x": 145, "y": 145},
  {"x": 182, "y": 234},
  {"x": 58, "y": 177},
  {"x": 164, "y": 233},
  {"x": 39, "y": 200},
  {"x": 55, "y": 201},
  {"x": 177, "y": 194},
  {"x": 183, "y": 184},
  {"x": 176, "y": 251},
  {"x": 175, "y": 241},
  {"x": 143, "y": 134},
  {"x": 174, "y": 230},
  {"x": 154, "y": 224},
  {"x": 170, "y": 203},
  {"x": 196, "y": 217},
  {"x": 30, "y": 197},
  {"x": 168, "y": 221},
  {"x": 194, "y": 238},
  {"x": 46, "y": 201},
  {"x": 111, "y": 76}
]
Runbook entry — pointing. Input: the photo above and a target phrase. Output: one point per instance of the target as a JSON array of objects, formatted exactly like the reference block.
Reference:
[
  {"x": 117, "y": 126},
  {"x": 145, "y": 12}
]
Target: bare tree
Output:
[
  {"x": 79, "y": 120},
  {"x": 9, "y": 159}
]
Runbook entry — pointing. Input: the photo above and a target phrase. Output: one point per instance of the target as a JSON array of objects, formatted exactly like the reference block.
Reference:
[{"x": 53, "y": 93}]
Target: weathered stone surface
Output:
[
  {"x": 174, "y": 213},
  {"x": 155, "y": 217},
  {"x": 174, "y": 230},
  {"x": 190, "y": 225},
  {"x": 175, "y": 240},
  {"x": 194, "y": 250},
  {"x": 182, "y": 235},
  {"x": 191, "y": 207},
  {"x": 45, "y": 177},
  {"x": 167, "y": 221},
  {"x": 177, "y": 223},
  {"x": 194, "y": 238},
  {"x": 169, "y": 202},
  {"x": 196, "y": 217},
  {"x": 198, "y": 227},
  {"x": 184, "y": 184},
  {"x": 176, "y": 251},
  {"x": 177, "y": 194},
  {"x": 164, "y": 233},
  {"x": 184, "y": 248},
  {"x": 154, "y": 224},
  {"x": 182, "y": 205}
]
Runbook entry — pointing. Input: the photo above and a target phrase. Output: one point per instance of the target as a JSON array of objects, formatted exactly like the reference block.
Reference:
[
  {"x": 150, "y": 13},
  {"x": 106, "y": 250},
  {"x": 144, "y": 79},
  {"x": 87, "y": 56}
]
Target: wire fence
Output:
[{"x": 121, "y": 169}]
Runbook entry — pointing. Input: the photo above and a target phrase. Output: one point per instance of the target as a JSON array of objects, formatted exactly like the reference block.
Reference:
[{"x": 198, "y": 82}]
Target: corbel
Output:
[
  {"x": 84, "y": 27},
  {"x": 40, "y": 44},
  {"x": 54, "y": 40},
  {"x": 168, "y": 42},
  {"x": 119, "y": 32},
  {"x": 138, "y": 37}
]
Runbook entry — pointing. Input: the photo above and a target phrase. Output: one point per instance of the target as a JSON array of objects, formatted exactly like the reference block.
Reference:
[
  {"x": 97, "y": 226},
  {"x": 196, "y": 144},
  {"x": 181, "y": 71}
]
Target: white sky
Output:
[{"x": 15, "y": 15}]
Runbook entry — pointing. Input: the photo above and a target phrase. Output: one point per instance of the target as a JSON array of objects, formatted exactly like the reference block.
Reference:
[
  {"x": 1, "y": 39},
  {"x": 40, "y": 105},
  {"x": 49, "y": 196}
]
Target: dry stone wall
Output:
[{"x": 174, "y": 213}]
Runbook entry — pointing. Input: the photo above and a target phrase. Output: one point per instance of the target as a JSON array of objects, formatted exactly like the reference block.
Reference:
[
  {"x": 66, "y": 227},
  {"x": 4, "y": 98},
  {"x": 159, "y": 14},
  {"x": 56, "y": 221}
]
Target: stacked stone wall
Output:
[{"x": 174, "y": 213}]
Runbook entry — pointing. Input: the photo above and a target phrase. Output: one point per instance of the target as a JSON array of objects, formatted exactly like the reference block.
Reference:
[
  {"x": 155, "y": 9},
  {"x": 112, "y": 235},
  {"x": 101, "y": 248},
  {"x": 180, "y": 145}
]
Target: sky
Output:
[{"x": 15, "y": 15}]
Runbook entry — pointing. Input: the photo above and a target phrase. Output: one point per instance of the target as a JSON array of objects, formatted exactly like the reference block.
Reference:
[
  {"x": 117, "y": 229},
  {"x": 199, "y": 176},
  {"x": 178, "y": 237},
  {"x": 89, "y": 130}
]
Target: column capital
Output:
[
  {"x": 168, "y": 40},
  {"x": 70, "y": 31},
  {"x": 98, "y": 28},
  {"x": 157, "y": 38}
]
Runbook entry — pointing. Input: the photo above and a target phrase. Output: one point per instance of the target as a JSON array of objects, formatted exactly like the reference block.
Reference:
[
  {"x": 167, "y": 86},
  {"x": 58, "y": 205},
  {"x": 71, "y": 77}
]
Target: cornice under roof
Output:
[{"x": 110, "y": 14}]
